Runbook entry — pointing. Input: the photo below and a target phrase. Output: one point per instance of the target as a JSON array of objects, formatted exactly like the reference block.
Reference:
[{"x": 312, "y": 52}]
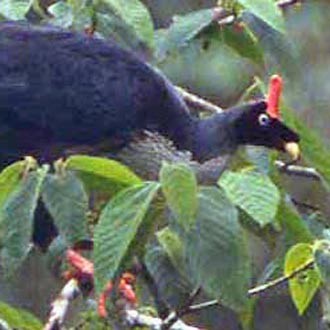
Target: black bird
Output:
[
  {"x": 61, "y": 89},
  {"x": 65, "y": 89}
]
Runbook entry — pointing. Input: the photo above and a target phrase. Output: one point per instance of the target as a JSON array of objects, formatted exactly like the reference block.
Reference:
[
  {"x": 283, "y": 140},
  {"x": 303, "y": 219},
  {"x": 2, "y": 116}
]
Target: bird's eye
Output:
[{"x": 263, "y": 119}]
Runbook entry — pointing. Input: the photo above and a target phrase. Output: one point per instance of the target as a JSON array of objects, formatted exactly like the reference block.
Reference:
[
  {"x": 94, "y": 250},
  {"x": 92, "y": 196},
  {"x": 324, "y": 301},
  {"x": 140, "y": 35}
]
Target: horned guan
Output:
[
  {"x": 60, "y": 89},
  {"x": 65, "y": 88}
]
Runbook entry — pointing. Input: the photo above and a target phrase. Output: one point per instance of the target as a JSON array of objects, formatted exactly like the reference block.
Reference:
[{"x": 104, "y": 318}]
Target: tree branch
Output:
[
  {"x": 198, "y": 102},
  {"x": 307, "y": 172},
  {"x": 174, "y": 316},
  {"x": 254, "y": 291},
  {"x": 133, "y": 318},
  {"x": 261, "y": 288},
  {"x": 60, "y": 305},
  {"x": 283, "y": 4}
]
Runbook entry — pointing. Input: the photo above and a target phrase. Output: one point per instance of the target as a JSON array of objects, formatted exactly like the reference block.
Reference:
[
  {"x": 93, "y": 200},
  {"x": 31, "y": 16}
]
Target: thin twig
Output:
[
  {"x": 307, "y": 172},
  {"x": 133, "y": 319},
  {"x": 287, "y": 3},
  {"x": 61, "y": 304},
  {"x": 254, "y": 291},
  {"x": 197, "y": 102},
  {"x": 173, "y": 317},
  {"x": 203, "y": 305},
  {"x": 223, "y": 16},
  {"x": 308, "y": 206},
  {"x": 261, "y": 288}
]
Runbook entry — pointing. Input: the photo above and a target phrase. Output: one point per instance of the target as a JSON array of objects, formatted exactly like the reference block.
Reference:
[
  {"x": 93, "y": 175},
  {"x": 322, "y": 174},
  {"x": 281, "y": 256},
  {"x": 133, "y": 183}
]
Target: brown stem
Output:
[
  {"x": 261, "y": 288},
  {"x": 307, "y": 172},
  {"x": 283, "y": 4},
  {"x": 197, "y": 102},
  {"x": 254, "y": 291},
  {"x": 175, "y": 316}
]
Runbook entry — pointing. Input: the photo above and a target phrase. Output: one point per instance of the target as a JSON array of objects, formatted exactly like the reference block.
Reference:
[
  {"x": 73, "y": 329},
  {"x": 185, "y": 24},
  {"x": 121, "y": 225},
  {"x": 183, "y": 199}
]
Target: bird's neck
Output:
[
  {"x": 181, "y": 130},
  {"x": 214, "y": 136}
]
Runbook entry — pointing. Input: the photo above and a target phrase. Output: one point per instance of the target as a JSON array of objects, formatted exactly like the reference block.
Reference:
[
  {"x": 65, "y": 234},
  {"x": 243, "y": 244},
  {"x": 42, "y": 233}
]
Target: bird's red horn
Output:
[{"x": 274, "y": 95}]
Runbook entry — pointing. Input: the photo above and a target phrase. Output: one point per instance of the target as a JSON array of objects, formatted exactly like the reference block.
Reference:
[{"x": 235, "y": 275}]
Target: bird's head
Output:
[{"x": 259, "y": 123}]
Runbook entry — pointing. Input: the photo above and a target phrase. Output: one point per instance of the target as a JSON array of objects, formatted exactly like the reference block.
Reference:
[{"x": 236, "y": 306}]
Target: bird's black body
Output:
[
  {"x": 61, "y": 89},
  {"x": 66, "y": 89}
]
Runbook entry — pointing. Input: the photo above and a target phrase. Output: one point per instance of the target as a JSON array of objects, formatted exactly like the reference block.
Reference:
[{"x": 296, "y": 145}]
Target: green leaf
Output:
[
  {"x": 135, "y": 15},
  {"x": 117, "y": 228},
  {"x": 254, "y": 193},
  {"x": 15, "y": 9},
  {"x": 10, "y": 178},
  {"x": 293, "y": 224},
  {"x": 217, "y": 250},
  {"x": 18, "y": 318},
  {"x": 322, "y": 259},
  {"x": 17, "y": 220},
  {"x": 304, "y": 285},
  {"x": 171, "y": 285},
  {"x": 172, "y": 245},
  {"x": 243, "y": 41},
  {"x": 62, "y": 13},
  {"x": 102, "y": 174},
  {"x": 179, "y": 186},
  {"x": 56, "y": 252},
  {"x": 67, "y": 202},
  {"x": 112, "y": 27},
  {"x": 267, "y": 10},
  {"x": 182, "y": 30}
]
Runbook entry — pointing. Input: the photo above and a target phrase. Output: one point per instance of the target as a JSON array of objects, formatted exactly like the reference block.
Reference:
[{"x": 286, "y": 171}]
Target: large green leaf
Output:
[
  {"x": 293, "y": 225},
  {"x": 102, "y": 174},
  {"x": 17, "y": 220},
  {"x": 243, "y": 41},
  {"x": 253, "y": 192},
  {"x": 67, "y": 202},
  {"x": 135, "y": 15},
  {"x": 10, "y": 178},
  {"x": 304, "y": 285},
  {"x": 18, "y": 318},
  {"x": 179, "y": 186},
  {"x": 117, "y": 229},
  {"x": 172, "y": 287},
  {"x": 217, "y": 250},
  {"x": 182, "y": 30},
  {"x": 112, "y": 27},
  {"x": 14, "y": 9},
  {"x": 322, "y": 259},
  {"x": 173, "y": 246},
  {"x": 267, "y": 10}
]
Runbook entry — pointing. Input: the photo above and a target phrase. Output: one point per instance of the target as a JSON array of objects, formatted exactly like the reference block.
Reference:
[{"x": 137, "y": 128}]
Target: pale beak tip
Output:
[{"x": 292, "y": 148}]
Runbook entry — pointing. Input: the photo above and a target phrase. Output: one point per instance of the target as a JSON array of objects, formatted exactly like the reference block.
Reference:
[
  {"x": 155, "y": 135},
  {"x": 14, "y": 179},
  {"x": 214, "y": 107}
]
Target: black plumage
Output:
[{"x": 60, "y": 89}]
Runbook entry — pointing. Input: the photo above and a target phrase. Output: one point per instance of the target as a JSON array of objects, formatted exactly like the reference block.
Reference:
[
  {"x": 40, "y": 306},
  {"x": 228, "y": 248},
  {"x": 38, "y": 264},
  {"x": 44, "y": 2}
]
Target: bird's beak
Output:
[{"x": 292, "y": 148}]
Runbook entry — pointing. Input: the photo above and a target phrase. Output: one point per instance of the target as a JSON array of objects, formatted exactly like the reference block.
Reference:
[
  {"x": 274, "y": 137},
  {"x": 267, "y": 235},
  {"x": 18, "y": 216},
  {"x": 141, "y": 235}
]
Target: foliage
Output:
[
  {"x": 219, "y": 233},
  {"x": 200, "y": 237},
  {"x": 18, "y": 318},
  {"x": 117, "y": 229},
  {"x": 304, "y": 285},
  {"x": 179, "y": 186},
  {"x": 252, "y": 192}
]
